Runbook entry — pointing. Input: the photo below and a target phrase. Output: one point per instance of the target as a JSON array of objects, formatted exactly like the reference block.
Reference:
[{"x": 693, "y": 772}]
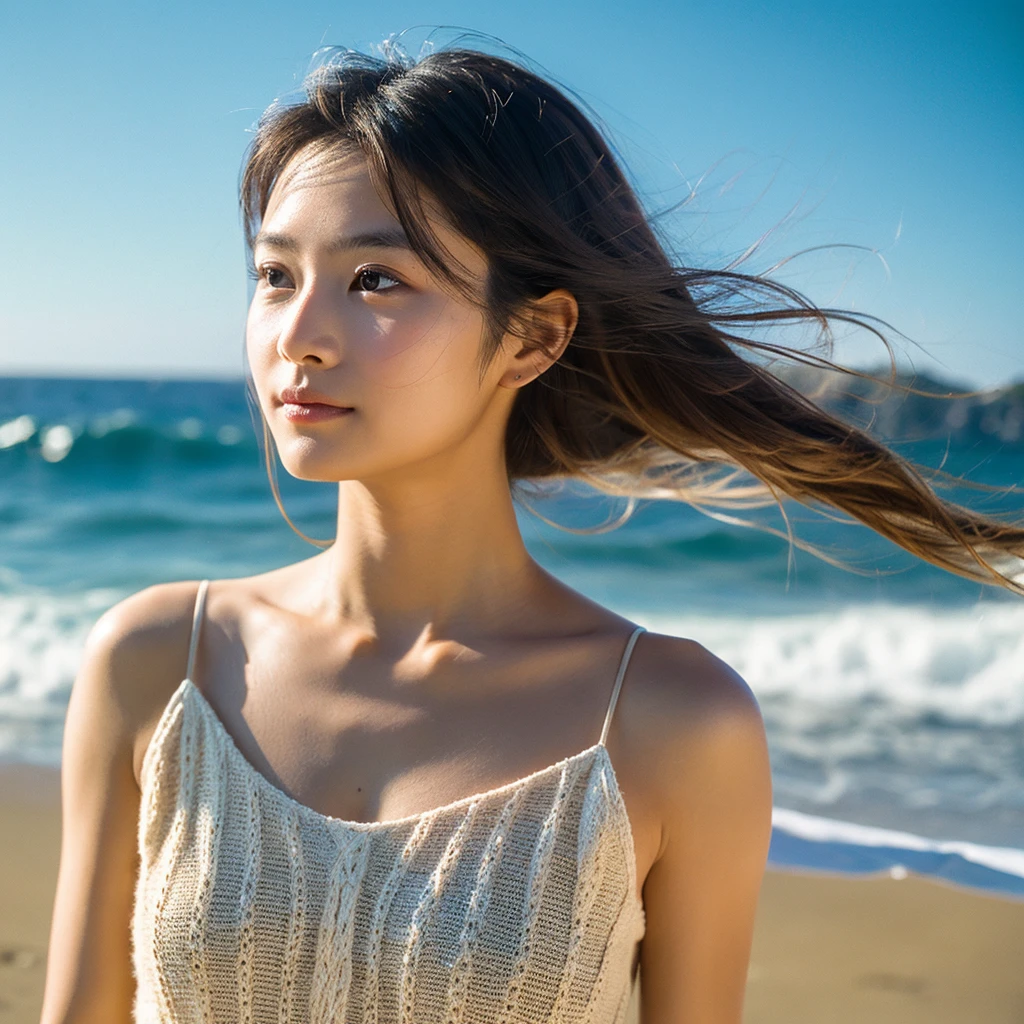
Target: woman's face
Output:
[{"x": 344, "y": 308}]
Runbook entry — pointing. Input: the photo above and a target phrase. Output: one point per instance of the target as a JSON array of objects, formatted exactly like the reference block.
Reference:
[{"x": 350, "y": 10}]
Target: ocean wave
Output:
[
  {"x": 962, "y": 666},
  {"x": 41, "y": 640},
  {"x": 825, "y": 844},
  {"x": 121, "y": 439}
]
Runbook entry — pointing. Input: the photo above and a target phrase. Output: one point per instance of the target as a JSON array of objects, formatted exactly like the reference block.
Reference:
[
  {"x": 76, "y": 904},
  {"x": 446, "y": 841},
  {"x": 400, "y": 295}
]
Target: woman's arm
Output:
[
  {"x": 713, "y": 786},
  {"x": 130, "y": 657}
]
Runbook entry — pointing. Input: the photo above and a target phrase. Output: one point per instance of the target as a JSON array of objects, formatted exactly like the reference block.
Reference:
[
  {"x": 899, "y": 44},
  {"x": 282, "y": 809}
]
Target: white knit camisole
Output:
[{"x": 517, "y": 905}]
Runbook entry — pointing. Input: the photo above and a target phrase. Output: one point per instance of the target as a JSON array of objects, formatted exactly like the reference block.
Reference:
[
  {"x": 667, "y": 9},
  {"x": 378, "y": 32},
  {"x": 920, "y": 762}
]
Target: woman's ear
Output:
[{"x": 547, "y": 327}]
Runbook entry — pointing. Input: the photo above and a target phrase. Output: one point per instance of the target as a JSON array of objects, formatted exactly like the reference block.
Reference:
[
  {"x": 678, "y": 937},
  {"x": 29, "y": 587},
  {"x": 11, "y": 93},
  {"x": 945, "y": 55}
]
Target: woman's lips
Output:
[{"x": 313, "y": 412}]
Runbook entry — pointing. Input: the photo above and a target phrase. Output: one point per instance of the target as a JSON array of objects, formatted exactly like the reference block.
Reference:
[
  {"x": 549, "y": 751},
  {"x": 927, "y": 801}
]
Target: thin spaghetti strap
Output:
[
  {"x": 630, "y": 644},
  {"x": 197, "y": 620}
]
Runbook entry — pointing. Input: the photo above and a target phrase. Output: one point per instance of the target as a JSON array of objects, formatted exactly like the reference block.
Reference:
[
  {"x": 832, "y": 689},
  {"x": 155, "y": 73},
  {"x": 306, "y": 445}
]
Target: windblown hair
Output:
[{"x": 652, "y": 397}]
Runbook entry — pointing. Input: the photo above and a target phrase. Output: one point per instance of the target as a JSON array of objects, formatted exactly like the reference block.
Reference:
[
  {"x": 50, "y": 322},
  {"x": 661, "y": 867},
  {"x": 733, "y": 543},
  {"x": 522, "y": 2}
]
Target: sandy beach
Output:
[{"x": 827, "y": 949}]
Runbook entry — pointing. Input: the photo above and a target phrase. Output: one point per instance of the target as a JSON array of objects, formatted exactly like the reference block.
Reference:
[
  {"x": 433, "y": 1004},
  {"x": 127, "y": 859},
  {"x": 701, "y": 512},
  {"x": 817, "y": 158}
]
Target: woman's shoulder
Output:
[
  {"x": 679, "y": 684},
  {"x": 684, "y": 713},
  {"x": 146, "y": 627},
  {"x": 137, "y": 651},
  {"x": 149, "y": 630},
  {"x": 136, "y": 655}
]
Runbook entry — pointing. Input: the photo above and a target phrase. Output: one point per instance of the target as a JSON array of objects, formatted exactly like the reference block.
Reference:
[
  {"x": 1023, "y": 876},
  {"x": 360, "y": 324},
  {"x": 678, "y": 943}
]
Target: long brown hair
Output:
[{"x": 652, "y": 397}]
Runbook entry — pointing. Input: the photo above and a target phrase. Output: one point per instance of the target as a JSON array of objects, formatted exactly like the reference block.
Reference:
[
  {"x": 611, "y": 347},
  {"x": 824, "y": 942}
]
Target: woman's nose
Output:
[{"x": 311, "y": 328}]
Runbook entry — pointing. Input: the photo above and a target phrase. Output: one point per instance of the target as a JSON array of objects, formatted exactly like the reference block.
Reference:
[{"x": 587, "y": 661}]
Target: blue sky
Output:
[{"x": 898, "y": 127}]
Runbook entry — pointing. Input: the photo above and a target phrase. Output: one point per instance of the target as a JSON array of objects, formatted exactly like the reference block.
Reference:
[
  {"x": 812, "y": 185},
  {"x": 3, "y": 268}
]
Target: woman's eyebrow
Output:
[{"x": 388, "y": 238}]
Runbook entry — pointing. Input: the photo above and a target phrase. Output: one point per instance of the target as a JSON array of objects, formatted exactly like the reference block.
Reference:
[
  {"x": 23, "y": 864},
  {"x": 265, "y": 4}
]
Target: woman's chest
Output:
[{"x": 514, "y": 903}]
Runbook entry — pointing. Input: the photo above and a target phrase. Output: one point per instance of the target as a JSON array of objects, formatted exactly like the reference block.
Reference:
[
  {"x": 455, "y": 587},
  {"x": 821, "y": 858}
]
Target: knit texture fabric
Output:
[{"x": 514, "y": 905}]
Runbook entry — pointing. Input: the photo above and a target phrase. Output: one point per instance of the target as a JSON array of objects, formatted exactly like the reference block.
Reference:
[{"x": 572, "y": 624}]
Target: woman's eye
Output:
[
  {"x": 274, "y": 277},
  {"x": 374, "y": 281}
]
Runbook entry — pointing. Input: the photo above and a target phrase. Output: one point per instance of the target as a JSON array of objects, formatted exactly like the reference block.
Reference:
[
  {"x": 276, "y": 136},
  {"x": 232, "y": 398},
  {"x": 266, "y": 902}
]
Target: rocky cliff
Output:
[{"x": 995, "y": 415}]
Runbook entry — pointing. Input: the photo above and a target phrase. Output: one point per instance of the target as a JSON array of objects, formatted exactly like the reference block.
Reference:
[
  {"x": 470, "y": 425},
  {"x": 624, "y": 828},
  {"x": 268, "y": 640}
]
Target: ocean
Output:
[{"x": 893, "y": 696}]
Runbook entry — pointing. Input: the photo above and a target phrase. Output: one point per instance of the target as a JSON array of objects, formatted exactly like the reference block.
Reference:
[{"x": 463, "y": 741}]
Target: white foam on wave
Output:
[
  {"x": 965, "y": 664},
  {"x": 41, "y": 640},
  {"x": 1004, "y": 859}
]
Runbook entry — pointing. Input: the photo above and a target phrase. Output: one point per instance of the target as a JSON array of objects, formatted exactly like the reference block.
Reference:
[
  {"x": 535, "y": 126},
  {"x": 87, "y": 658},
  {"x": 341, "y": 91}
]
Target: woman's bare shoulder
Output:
[
  {"x": 146, "y": 630},
  {"x": 136, "y": 654},
  {"x": 678, "y": 685},
  {"x": 149, "y": 616},
  {"x": 682, "y": 709}
]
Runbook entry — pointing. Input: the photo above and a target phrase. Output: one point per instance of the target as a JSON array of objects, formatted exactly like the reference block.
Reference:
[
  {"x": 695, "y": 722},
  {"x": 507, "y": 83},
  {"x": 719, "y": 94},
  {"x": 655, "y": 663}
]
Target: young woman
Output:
[{"x": 384, "y": 789}]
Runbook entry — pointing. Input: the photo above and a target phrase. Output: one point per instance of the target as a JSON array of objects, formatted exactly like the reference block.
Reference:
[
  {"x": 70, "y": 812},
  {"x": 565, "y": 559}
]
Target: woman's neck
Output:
[{"x": 425, "y": 553}]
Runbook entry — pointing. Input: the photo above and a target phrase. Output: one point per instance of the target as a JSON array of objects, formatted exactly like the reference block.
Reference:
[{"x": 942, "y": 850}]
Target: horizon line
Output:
[{"x": 174, "y": 375}]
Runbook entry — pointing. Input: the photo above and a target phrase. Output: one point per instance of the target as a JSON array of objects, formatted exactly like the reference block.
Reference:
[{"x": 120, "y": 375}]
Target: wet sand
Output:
[{"x": 827, "y": 949}]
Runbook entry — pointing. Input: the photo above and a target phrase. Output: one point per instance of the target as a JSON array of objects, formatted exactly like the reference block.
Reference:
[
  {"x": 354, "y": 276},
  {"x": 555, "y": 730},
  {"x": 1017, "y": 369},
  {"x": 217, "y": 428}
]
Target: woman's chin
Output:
[
  {"x": 317, "y": 467},
  {"x": 319, "y": 464}
]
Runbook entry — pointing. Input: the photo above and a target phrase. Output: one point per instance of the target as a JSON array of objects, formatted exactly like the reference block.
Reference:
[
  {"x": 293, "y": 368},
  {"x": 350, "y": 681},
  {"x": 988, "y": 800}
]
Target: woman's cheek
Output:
[
  {"x": 260, "y": 357},
  {"x": 409, "y": 352}
]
